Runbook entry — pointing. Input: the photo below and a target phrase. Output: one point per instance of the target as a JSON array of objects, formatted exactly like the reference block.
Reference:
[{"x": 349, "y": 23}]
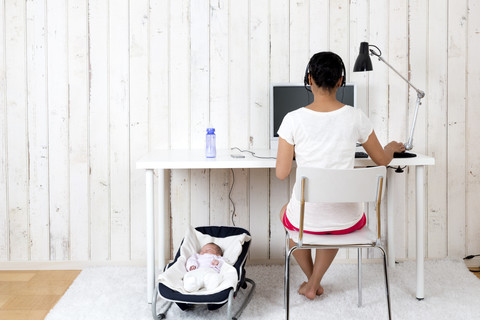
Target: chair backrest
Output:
[{"x": 340, "y": 185}]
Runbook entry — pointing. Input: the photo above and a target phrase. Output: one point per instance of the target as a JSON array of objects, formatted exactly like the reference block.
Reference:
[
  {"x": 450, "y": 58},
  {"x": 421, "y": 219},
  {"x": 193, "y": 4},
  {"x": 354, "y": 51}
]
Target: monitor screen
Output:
[{"x": 290, "y": 96}]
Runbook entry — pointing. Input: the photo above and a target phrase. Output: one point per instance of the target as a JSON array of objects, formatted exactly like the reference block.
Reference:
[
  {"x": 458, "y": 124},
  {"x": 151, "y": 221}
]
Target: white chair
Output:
[{"x": 331, "y": 185}]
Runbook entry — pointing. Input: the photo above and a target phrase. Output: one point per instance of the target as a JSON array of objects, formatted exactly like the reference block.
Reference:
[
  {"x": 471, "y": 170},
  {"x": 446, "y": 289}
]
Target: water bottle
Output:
[{"x": 210, "y": 148}]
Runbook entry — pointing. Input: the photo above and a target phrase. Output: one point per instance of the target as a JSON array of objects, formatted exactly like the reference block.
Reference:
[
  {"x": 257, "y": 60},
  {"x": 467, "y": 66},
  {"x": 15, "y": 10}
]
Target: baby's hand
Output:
[{"x": 192, "y": 268}]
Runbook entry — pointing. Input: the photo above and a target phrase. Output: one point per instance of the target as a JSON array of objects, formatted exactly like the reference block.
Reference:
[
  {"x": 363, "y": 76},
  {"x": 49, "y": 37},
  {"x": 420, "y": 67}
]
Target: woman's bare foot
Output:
[{"x": 309, "y": 291}]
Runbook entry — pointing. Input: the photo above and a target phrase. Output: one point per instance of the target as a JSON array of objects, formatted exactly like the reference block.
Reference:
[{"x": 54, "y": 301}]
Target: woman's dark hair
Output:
[{"x": 326, "y": 68}]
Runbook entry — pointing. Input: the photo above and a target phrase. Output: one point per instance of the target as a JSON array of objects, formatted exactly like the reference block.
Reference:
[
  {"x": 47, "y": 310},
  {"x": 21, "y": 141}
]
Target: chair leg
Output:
[
  {"x": 287, "y": 283},
  {"x": 386, "y": 281},
  {"x": 359, "y": 277},
  {"x": 287, "y": 245}
]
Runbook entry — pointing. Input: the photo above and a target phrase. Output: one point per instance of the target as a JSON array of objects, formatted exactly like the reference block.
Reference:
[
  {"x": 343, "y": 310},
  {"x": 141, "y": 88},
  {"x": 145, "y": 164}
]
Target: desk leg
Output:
[
  {"x": 390, "y": 219},
  {"x": 420, "y": 201},
  {"x": 162, "y": 213},
  {"x": 150, "y": 234}
]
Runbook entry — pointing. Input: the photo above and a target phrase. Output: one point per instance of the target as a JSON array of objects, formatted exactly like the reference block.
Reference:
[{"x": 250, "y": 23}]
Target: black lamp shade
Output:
[{"x": 363, "y": 62}]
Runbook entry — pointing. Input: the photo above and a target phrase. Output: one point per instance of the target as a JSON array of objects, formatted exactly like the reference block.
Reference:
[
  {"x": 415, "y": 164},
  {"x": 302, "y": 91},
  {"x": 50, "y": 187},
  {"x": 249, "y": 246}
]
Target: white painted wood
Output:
[
  {"x": 153, "y": 75},
  {"x": 279, "y": 41},
  {"x": 378, "y": 107},
  {"x": 99, "y": 137},
  {"x": 398, "y": 108},
  {"x": 339, "y": 30},
  {"x": 16, "y": 130},
  {"x": 239, "y": 74},
  {"x": 158, "y": 64},
  {"x": 437, "y": 131},
  {"x": 139, "y": 120},
  {"x": 239, "y": 210},
  {"x": 179, "y": 85},
  {"x": 219, "y": 73},
  {"x": 179, "y": 74},
  {"x": 418, "y": 75},
  {"x": 4, "y": 223},
  {"x": 219, "y": 203},
  {"x": 456, "y": 181},
  {"x": 259, "y": 226},
  {"x": 472, "y": 134},
  {"x": 200, "y": 197},
  {"x": 36, "y": 59},
  {"x": 119, "y": 98},
  {"x": 200, "y": 106},
  {"x": 78, "y": 91},
  {"x": 378, "y": 78},
  {"x": 180, "y": 199},
  {"x": 159, "y": 119},
  {"x": 359, "y": 29},
  {"x": 319, "y": 21},
  {"x": 199, "y": 72},
  {"x": 299, "y": 39},
  {"x": 259, "y": 78}
]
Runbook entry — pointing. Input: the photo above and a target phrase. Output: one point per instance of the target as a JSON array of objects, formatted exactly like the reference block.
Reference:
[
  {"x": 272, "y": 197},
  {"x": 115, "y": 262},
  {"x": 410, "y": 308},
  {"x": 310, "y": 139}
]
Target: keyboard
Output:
[{"x": 361, "y": 154}]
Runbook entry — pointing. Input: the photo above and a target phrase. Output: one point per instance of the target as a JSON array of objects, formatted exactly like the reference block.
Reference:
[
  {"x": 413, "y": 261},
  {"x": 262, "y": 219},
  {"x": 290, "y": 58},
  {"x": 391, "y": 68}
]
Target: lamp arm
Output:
[
  {"x": 420, "y": 95},
  {"x": 409, "y": 144}
]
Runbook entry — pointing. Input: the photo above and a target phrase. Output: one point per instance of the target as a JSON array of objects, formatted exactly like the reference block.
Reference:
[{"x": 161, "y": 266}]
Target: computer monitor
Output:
[{"x": 286, "y": 97}]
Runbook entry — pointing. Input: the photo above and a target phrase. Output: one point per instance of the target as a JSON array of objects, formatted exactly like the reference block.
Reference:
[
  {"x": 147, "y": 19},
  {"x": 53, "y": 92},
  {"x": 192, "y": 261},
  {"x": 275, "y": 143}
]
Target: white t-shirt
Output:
[{"x": 325, "y": 140}]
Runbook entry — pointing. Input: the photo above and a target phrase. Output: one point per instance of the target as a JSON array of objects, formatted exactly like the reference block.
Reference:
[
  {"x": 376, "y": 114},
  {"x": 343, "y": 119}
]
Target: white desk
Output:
[{"x": 163, "y": 160}]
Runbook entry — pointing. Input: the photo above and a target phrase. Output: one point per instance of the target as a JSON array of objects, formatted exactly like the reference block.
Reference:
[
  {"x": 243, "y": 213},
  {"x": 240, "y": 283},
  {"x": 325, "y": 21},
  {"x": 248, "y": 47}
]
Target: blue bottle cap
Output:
[{"x": 210, "y": 130}]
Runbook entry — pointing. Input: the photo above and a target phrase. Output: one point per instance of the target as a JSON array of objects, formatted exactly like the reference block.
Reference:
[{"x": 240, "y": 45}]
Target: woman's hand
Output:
[
  {"x": 395, "y": 146},
  {"x": 381, "y": 156}
]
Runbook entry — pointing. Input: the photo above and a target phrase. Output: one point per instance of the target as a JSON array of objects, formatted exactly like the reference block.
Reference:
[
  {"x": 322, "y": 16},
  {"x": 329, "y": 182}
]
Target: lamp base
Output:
[{"x": 404, "y": 155}]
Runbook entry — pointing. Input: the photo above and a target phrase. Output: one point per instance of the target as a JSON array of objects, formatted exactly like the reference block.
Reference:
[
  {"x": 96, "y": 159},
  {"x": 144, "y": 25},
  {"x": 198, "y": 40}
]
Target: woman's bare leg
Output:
[
  {"x": 323, "y": 260},
  {"x": 303, "y": 256}
]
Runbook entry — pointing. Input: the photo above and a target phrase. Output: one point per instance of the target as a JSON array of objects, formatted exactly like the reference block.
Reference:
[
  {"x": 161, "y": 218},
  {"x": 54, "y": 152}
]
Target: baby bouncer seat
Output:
[{"x": 235, "y": 243}]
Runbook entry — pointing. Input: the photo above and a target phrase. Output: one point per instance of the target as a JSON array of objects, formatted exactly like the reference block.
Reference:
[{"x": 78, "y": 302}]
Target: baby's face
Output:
[{"x": 211, "y": 249}]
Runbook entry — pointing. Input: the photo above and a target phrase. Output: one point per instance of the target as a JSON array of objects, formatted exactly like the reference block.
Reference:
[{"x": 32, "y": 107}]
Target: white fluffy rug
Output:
[{"x": 451, "y": 292}]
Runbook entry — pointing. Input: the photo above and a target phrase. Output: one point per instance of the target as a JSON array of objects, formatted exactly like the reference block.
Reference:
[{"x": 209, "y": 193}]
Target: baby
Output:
[{"x": 203, "y": 269}]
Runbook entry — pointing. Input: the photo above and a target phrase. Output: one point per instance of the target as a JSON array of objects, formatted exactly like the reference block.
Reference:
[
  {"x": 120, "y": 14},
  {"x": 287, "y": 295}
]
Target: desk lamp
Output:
[{"x": 363, "y": 63}]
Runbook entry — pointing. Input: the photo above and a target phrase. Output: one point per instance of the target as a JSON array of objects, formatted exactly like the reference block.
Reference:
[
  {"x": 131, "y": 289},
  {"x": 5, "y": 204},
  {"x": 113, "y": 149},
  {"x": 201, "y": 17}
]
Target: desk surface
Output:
[{"x": 195, "y": 159}]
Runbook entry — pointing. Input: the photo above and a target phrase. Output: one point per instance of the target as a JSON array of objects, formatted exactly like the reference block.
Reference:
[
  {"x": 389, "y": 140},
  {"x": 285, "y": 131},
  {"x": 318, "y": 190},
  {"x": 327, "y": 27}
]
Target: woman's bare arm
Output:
[
  {"x": 284, "y": 159},
  {"x": 381, "y": 156}
]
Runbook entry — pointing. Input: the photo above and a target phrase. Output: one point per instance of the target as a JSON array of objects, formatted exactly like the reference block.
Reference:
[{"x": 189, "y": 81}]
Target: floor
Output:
[{"x": 29, "y": 295}]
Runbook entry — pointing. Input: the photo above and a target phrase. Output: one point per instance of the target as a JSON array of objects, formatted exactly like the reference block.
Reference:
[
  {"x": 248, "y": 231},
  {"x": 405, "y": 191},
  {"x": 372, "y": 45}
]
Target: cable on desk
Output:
[
  {"x": 252, "y": 153},
  {"x": 230, "y": 196}
]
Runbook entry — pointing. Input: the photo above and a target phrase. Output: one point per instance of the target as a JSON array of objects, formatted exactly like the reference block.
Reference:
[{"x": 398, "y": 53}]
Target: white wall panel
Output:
[
  {"x": 16, "y": 130},
  {"x": 99, "y": 137},
  {"x": 472, "y": 134},
  {"x": 4, "y": 219},
  {"x": 437, "y": 131},
  {"x": 79, "y": 101},
  {"x": 119, "y": 119},
  {"x": 38, "y": 130},
  {"x": 88, "y": 87}
]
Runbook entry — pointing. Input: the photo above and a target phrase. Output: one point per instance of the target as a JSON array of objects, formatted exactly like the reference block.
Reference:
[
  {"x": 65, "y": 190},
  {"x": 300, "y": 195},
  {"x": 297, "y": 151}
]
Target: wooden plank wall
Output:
[{"x": 88, "y": 87}]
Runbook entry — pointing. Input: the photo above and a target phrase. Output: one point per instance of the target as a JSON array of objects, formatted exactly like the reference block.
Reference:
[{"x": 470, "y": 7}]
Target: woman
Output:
[{"x": 324, "y": 134}]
